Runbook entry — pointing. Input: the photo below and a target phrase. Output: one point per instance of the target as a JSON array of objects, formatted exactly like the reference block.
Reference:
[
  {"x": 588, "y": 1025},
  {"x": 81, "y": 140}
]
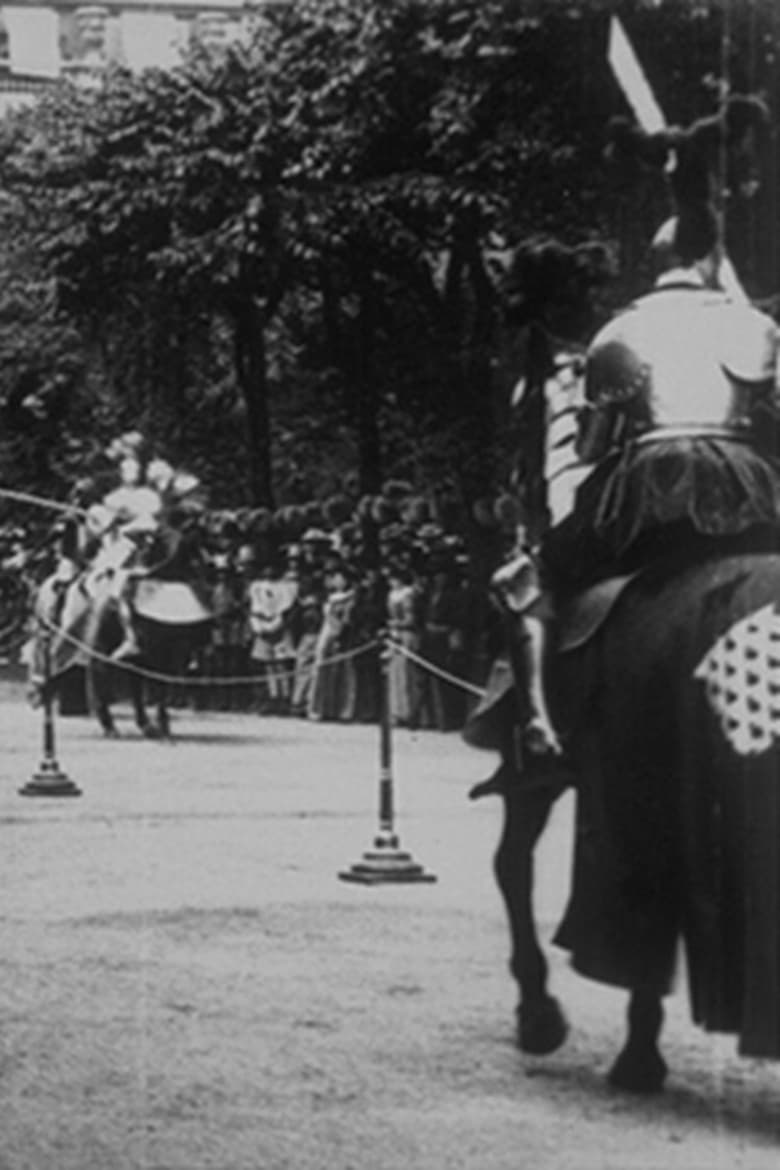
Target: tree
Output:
[
  {"x": 166, "y": 223},
  {"x": 295, "y": 251}
]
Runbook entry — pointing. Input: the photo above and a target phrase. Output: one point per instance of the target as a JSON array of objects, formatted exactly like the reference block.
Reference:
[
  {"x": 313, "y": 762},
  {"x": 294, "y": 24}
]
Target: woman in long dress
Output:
[
  {"x": 334, "y": 689},
  {"x": 403, "y": 623},
  {"x": 308, "y": 623}
]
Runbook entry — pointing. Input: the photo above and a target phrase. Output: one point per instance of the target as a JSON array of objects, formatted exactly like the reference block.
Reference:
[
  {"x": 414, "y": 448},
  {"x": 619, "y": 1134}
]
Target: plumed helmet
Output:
[{"x": 131, "y": 443}]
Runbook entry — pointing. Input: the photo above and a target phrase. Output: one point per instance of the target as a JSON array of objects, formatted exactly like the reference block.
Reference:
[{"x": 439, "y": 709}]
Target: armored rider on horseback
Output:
[
  {"x": 128, "y": 517},
  {"x": 675, "y": 387}
]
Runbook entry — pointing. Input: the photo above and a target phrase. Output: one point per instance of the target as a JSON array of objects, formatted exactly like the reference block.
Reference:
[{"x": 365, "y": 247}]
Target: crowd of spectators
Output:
[
  {"x": 296, "y": 633},
  {"x": 296, "y": 621}
]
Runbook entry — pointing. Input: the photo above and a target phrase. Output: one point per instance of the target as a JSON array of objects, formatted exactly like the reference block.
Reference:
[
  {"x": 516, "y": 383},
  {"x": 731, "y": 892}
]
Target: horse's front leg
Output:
[
  {"x": 640, "y": 1068},
  {"x": 99, "y": 689},
  {"x": 541, "y": 1025}
]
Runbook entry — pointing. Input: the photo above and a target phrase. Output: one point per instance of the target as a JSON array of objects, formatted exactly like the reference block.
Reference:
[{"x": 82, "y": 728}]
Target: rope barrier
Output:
[
  {"x": 8, "y": 631},
  {"x": 432, "y": 668},
  {"x": 249, "y": 680},
  {"x": 198, "y": 680}
]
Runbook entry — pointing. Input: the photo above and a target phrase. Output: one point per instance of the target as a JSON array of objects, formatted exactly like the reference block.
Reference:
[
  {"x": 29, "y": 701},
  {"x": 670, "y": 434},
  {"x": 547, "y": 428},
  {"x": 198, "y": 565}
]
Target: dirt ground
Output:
[{"x": 186, "y": 984}]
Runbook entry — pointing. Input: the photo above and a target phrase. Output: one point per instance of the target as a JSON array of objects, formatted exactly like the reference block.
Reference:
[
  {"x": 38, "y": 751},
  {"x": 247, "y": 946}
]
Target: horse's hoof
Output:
[
  {"x": 149, "y": 731},
  {"x": 638, "y": 1072},
  {"x": 110, "y": 733},
  {"x": 541, "y": 1027}
]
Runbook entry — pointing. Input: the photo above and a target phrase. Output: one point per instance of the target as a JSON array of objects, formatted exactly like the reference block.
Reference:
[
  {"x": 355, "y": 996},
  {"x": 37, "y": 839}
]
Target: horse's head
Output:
[{"x": 551, "y": 281}]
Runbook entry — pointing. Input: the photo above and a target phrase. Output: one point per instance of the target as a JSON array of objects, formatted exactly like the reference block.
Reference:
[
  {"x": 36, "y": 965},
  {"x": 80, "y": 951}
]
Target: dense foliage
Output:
[{"x": 291, "y": 261}]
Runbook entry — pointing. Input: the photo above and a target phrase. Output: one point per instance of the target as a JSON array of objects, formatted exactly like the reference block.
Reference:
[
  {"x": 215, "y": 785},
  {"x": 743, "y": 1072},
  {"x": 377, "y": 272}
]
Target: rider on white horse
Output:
[{"x": 127, "y": 517}]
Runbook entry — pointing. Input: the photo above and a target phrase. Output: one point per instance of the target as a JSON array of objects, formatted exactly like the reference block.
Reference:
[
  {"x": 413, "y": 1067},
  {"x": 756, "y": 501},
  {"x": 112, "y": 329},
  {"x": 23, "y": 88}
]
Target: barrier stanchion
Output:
[
  {"x": 49, "y": 780},
  {"x": 386, "y": 862}
]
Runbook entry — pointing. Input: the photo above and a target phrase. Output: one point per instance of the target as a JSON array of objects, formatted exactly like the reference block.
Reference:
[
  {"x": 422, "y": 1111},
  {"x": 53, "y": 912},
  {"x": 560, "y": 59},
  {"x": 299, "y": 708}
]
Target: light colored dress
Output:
[
  {"x": 270, "y": 603},
  {"x": 310, "y": 617},
  {"x": 403, "y": 626},
  {"x": 270, "y": 608},
  {"x": 334, "y": 689}
]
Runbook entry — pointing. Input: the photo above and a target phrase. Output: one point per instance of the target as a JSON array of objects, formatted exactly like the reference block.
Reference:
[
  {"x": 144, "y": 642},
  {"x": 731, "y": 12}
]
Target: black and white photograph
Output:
[{"x": 390, "y": 585}]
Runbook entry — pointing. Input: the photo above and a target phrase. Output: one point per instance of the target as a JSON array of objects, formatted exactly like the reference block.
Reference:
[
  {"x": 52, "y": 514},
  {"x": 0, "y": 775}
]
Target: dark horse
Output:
[
  {"x": 84, "y": 629},
  {"x": 165, "y": 651},
  {"x": 669, "y": 704}
]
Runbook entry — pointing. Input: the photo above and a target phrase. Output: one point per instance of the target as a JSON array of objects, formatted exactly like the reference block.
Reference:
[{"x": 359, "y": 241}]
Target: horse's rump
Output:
[
  {"x": 678, "y": 829},
  {"x": 169, "y": 603}
]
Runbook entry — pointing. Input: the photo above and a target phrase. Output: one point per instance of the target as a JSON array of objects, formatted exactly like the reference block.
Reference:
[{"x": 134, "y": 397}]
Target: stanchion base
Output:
[
  {"x": 386, "y": 863},
  {"x": 49, "y": 780}
]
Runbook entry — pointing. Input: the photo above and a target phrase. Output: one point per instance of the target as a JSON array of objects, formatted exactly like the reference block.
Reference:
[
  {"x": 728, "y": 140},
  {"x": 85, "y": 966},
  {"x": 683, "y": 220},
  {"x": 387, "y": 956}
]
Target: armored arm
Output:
[
  {"x": 753, "y": 364},
  {"x": 599, "y": 428},
  {"x": 615, "y": 385}
]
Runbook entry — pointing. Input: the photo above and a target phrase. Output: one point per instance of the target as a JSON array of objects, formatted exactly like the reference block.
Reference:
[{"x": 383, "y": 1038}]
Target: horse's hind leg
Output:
[
  {"x": 163, "y": 719},
  {"x": 106, "y": 719},
  {"x": 160, "y": 726},
  {"x": 541, "y": 1025},
  {"x": 640, "y": 1068},
  {"x": 142, "y": 720}
]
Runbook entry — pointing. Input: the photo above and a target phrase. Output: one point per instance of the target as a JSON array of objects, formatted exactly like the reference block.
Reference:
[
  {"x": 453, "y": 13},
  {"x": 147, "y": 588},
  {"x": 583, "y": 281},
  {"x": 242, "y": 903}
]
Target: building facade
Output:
[{"x": 42, "y": 43}]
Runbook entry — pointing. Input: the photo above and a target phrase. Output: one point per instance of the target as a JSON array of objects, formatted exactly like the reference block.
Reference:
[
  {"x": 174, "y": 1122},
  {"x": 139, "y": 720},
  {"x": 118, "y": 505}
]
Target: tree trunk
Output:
[
  {"x": 369, "y": 441},
  {"x": 471, "y": 325},
  {"x": 250, "y": 358}
]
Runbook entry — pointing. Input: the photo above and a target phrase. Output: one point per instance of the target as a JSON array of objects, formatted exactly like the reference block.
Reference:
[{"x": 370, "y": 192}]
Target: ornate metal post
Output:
[
  {"x": 386, "y": 862},
  {"x": 49, "y": 780}
]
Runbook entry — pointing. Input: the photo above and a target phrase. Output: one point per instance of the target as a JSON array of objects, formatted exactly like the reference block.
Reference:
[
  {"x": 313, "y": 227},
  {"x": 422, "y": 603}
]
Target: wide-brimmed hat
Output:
[{"x": 315, "y": 536}]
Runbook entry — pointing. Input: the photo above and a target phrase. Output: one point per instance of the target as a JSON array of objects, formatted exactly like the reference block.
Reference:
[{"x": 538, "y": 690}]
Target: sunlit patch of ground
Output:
[{"x": 186, "y": 984}]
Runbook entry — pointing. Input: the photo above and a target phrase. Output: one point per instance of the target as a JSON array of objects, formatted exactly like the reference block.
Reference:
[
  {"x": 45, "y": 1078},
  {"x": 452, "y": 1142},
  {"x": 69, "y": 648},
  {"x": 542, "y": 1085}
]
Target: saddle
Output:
[
  {"x": 584, "y": 615},
  {"x": 581, "y": 619}
]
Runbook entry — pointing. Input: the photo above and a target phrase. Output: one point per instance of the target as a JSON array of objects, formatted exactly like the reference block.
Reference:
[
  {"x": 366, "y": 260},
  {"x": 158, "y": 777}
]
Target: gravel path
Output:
[{"x": 185, "y": 983}]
